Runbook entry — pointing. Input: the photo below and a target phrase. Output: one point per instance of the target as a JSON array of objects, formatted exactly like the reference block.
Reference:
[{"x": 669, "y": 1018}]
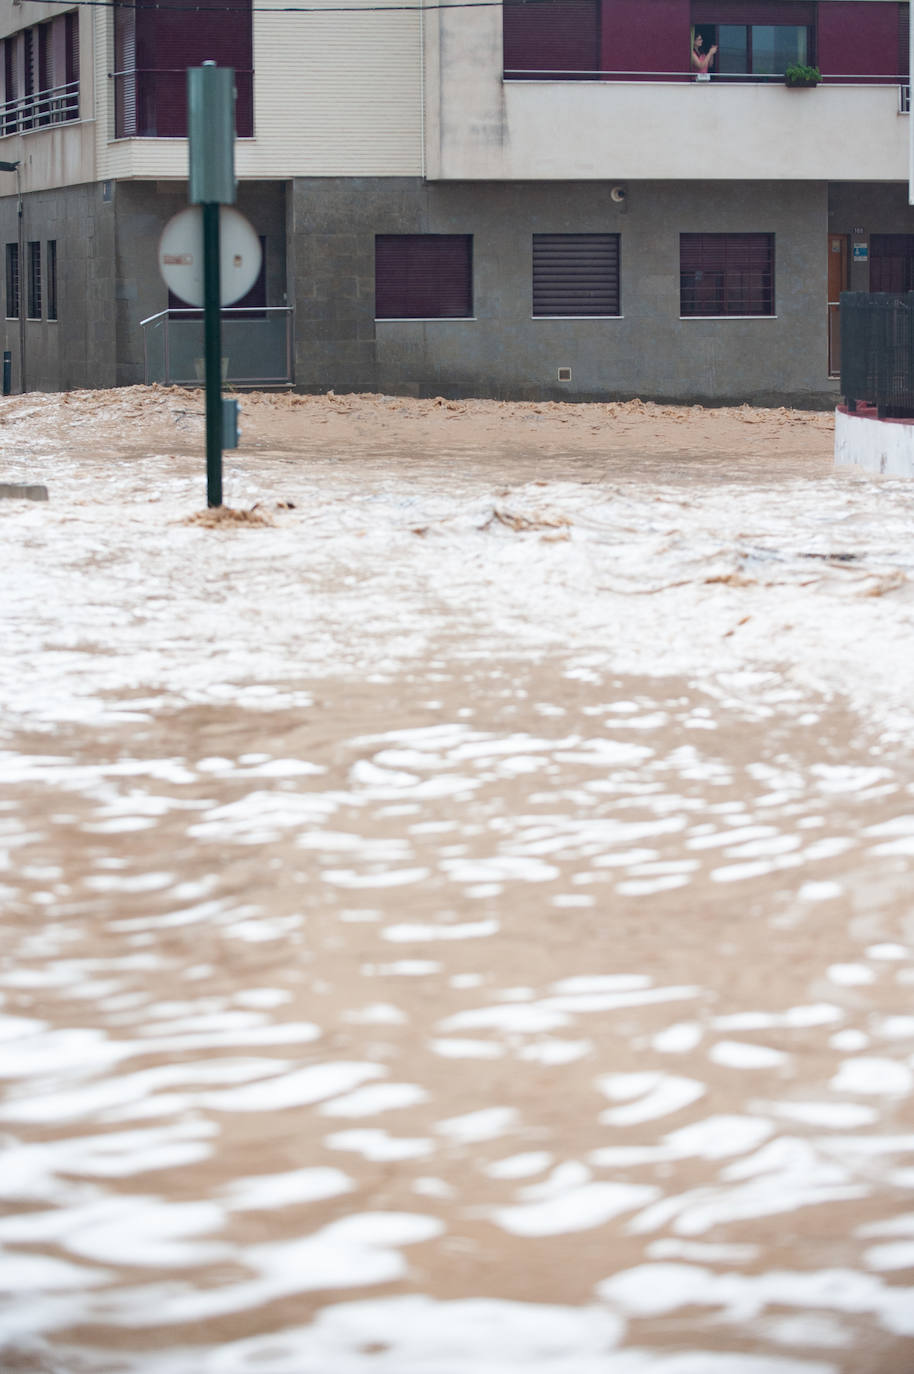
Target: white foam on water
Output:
[
  {"x": 379, "y": 1147},
  {"x": 837, "y": 1116},
  {"x": 887, "y": 950},
  {"x": 266, "y": 998},
  {"x": 407, "y": 933},
  {"x": 296, "y": 1089},
  {"x": 897, "y": 1254},
  {"x": 735, "y": 1054},
  {"x": 466, "y": 1049},
  {"x": 378, "y": 1097},
  {"x": 850, "y": 1039},
  {"x": 486, "y": 1124},
  {"x": 353, "y": 1252},
  {"x": 850, "y": 975},
  {"x": 519, "y": 1166},
  {"x": 658, "y": 1095},
  {"x": 376, "y": 1014},
  {"x": 576, "y": 1209},
  {"x": 875, "y": 1076},
  {"x": 653, "y": 1290},
  {"x": 269, "y": 1191},
  {"x": 551, "y": 1051},
  {"x": 679, "y": 1038},
  {"x": 415, "y": 1334}
]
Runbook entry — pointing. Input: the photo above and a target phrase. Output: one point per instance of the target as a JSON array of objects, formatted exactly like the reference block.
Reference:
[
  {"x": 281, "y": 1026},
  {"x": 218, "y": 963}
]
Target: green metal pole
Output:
[{"x": 212, "y": 346}]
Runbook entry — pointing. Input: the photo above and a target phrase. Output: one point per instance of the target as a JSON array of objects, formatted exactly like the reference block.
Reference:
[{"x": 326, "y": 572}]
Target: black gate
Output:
[{"x": 877, "y": 351}]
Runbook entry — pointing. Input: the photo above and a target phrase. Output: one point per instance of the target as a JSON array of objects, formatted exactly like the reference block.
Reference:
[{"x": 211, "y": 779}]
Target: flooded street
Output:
[{"x": 458, "y": 914}]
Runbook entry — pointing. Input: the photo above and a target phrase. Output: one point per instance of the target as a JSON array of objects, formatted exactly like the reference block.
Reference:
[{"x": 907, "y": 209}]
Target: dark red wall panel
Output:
[
  {"x": 858, "y": 38},
  {"x": 646, "y": 36}
]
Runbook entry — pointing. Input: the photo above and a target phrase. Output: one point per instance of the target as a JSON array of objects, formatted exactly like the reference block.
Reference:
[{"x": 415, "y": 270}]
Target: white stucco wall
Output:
[{"x": 882, "y": 446}]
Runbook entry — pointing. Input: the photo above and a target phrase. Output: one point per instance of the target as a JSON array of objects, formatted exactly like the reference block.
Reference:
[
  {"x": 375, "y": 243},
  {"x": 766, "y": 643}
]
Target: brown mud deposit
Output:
[{"x": 460, "y": 954}]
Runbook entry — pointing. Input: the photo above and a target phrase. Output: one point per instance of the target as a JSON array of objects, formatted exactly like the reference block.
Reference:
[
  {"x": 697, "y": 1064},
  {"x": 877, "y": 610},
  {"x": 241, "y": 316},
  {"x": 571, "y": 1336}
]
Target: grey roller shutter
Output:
[{"x": 576, "y": 274}]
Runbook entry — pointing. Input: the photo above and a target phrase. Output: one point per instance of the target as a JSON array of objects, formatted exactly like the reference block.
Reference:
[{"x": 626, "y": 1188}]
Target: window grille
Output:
[
  {"x": 51, "y": 273},
  {"x": 34, "y": 289},
  {"x": 12, "y": 281},
  {"x": 726, "y": 274}
]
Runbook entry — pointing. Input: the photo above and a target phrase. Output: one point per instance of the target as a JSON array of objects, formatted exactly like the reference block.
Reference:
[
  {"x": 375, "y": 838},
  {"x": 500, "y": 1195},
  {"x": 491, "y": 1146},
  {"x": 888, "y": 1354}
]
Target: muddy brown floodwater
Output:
[{"x": 457, "y": 910}]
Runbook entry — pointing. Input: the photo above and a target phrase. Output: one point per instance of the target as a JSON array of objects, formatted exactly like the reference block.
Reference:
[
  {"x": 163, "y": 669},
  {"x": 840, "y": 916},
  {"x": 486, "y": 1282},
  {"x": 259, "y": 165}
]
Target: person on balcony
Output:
[{"x": 701, "y": 60}]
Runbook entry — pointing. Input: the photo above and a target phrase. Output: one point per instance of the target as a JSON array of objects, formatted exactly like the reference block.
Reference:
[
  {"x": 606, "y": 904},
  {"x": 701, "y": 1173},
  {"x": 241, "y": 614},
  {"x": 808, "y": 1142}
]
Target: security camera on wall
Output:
[{"x": 618, "y": 194}]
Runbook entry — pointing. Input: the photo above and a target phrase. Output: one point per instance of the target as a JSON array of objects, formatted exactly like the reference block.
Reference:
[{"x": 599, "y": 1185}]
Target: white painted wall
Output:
[
  {"x": 883, "y": 446},
  {"x": 481, "y": 127}
]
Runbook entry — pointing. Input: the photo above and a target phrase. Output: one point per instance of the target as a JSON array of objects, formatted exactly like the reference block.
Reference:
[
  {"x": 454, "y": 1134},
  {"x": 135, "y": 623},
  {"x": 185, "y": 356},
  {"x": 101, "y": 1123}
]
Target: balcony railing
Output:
[
  {"x": 57, "y": 105},
  {"x": 256, "y": 347},
  {"x": 151, "y": 102},
  {"x": 715, "y": 78}
]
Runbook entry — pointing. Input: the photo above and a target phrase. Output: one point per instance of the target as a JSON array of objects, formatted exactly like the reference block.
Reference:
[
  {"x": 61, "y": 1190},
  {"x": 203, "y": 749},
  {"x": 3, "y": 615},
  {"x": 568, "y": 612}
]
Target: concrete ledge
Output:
[
  {"x": 14, "y": 491},
  {"x": 885, "y": 446}
]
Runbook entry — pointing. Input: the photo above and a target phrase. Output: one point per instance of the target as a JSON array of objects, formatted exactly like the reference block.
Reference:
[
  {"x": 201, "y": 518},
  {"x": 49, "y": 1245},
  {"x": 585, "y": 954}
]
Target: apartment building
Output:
[{"x": 540, "y": 199}]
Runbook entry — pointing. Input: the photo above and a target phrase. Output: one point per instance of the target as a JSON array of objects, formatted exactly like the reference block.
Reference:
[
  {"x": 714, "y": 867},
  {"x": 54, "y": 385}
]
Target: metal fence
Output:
[{"x": 877, "y": 351}]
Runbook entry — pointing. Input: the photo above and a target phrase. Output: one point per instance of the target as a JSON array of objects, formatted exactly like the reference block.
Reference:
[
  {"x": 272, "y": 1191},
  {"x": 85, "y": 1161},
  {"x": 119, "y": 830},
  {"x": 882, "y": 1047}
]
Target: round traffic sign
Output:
[{"x": 181, "y": 255}]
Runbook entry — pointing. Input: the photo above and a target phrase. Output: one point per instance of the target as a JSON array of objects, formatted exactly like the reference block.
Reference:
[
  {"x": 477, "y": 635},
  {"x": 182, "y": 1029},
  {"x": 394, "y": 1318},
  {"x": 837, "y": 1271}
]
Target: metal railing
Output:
[
  {"x": 256, "y": 346},
  {"x": 57, "y": 105},
  {"x": 151, "y": 102},
  {"x": 877, "y": 351},
  {"x": 714, "y": 78}
]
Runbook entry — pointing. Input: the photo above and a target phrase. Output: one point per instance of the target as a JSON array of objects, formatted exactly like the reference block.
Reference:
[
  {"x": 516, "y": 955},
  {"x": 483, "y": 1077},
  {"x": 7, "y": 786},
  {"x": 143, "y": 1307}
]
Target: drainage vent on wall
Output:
[{"x": 564, "y": 374}]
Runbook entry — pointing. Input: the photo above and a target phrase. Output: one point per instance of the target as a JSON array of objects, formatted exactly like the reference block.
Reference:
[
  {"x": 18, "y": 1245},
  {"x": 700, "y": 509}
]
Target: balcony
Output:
[
  {"x": 485, "y": 123},
  {"x": 256, "y": 347}
]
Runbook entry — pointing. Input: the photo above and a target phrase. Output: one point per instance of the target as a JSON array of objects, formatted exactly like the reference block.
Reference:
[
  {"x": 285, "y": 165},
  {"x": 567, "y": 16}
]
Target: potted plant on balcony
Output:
[{"x": 799, "y": 76}]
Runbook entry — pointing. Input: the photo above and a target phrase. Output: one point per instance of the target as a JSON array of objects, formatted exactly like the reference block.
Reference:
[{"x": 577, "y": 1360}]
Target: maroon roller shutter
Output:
[
  {"x": 892, "y": 262},
  {"x": 752, "y": 12},
  {"x": 170, "y": 39},
  {"x": 726, "y": 274},
  {"x": 423, "y": 276},
  {"x": 904, "y": 39},
  {"x": 551, "y": 39},
  {"x": 575, "y": 274}
]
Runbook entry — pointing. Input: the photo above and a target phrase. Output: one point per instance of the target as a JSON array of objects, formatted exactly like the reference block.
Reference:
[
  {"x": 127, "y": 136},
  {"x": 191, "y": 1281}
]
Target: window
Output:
[
  {"x": 423, "y": 276},
  {"x": 726, "y": 274},
  {"x": 892, "y": 262},
  {"x": 551, "y": 40},
  {"x": 756, "y": 40},
  {"x": 34, "y": 291},
  {"x": 575, "y": 274},
  {"x": 153, "y": 47},
  {"x": 12, "y": 281},
  {"x": 40, "y": 72},
  {"x": 51, "y": 272}
]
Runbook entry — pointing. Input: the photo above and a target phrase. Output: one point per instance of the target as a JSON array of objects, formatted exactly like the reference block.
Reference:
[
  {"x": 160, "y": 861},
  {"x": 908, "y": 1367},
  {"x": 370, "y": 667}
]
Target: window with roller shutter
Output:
[
  {"x": 551, "y": 40},
  {"x": 423, "y": 276},
  {"x": 575, "y": 274},
  {"x": 154, "y": 46},
  {"x": 40, "y": 74},
  {"x": 726, "y": 274}
]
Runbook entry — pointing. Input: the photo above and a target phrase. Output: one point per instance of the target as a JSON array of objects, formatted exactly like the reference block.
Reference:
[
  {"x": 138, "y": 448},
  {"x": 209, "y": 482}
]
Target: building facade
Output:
[{"x": 535, "y": 200}]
